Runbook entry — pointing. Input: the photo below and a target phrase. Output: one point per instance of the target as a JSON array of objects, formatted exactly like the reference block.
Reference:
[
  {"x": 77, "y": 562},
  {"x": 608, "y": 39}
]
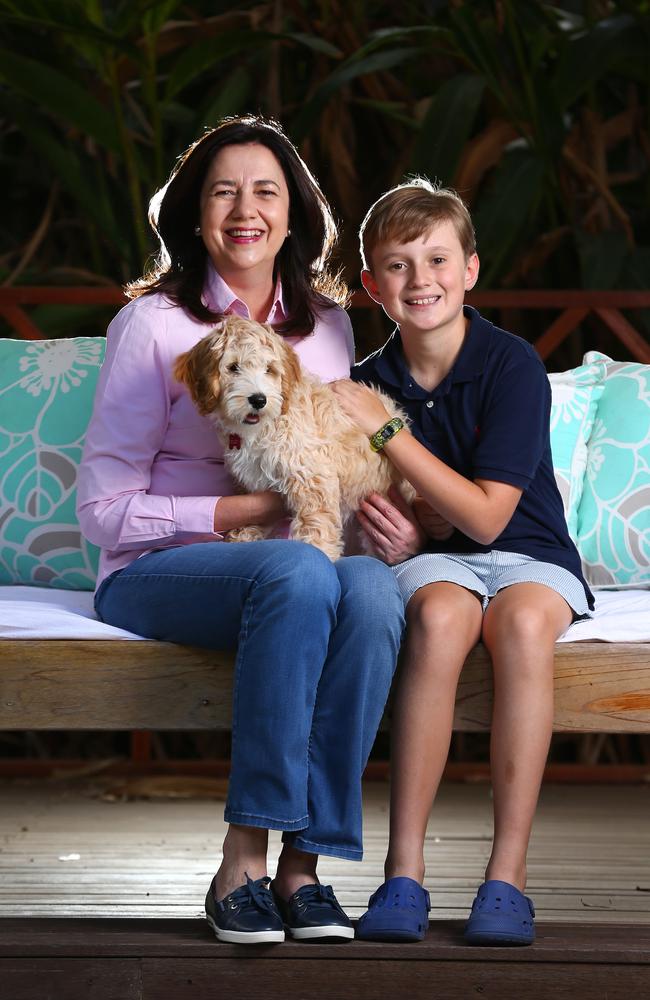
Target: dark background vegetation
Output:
[{"x": 537, "y": 113}]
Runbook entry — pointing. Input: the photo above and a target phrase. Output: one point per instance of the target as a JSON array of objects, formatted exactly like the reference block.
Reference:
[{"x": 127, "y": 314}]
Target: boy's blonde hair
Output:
[{"x": 411, "y": 210}]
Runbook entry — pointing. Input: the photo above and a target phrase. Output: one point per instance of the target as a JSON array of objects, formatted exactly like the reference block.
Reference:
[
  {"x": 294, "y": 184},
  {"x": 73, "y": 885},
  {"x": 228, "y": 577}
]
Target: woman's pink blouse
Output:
[{"x": 153, "y": 471}]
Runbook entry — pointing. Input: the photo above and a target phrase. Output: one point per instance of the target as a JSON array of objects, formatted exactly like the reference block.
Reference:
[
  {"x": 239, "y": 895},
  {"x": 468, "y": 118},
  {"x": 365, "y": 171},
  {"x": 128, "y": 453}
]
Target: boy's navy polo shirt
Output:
[{"x": 488, "y": 419}]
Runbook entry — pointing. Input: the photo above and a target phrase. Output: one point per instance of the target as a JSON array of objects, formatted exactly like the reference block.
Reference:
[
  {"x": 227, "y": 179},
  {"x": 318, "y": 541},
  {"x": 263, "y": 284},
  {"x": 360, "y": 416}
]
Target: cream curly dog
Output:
[{"x": 283, "y": 430}]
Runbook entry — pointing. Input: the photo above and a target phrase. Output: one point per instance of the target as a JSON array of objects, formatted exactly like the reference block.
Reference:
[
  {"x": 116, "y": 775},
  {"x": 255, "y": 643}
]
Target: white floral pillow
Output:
[
  {"x": 46, "y": 397},
  {"x": 575, "y": 396},
  {"x": 614, "y": 511}
]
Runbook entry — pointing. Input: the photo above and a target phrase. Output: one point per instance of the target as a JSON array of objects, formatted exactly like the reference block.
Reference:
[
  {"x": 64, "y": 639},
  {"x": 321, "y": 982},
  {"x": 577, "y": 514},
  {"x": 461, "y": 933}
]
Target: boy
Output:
[{"x": 486, "y": 555}]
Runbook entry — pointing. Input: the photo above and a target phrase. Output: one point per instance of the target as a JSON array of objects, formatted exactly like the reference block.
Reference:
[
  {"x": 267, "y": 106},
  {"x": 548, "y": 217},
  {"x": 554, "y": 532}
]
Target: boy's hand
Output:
[
  {"x": 391, "y": 526},
  {"x": 361, "y": 405},
  {"x": 433, "y": 524}
]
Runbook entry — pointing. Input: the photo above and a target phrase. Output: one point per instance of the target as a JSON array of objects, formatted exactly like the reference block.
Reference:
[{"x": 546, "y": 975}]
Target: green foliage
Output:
[{"x": 537, "y": 113}]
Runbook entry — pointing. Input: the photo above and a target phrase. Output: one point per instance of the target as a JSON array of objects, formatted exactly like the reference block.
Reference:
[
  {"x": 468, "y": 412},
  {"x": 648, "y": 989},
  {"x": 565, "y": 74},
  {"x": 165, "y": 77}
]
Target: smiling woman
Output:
[
  {"x": 245, "y": 219},
  {"x": 314, "y": 659},
  {"x": 248, "y": 164}
]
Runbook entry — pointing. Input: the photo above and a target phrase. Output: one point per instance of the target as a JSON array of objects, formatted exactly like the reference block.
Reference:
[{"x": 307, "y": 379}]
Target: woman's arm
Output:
[
  {"x": 236, "y": 511},
  {"x": 116, "y": 505}
]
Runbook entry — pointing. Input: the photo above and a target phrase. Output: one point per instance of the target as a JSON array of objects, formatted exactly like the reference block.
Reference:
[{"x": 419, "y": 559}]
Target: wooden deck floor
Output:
[
  {"x": 589, "y": 860},
  {"x": 98, "y": 900}
]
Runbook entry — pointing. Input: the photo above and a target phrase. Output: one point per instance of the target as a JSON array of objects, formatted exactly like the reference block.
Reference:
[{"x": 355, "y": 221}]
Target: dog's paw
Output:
[{"x": 250, "y": 533}]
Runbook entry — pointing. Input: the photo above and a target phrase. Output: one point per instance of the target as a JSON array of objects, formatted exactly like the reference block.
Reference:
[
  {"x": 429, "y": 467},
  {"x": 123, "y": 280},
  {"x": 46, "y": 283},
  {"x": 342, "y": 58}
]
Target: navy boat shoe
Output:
[
  {"x": 247, "y": 915},
  {"x": 314, "y": 913}
]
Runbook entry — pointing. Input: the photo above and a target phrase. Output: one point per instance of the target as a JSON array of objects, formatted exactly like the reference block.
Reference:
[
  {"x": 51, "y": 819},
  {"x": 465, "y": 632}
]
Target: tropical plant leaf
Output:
[
  {"x": 73, "y": 174},
  {"x": 419, "y": 32},
  {"x": 588, "y": 55},
  {"x": 313, "y": 42},
  {"x": 447, "y": 126},
  {"x": 477, "y": 41},
  {"x": 343, "y": 74},
  {"x": 230, "y": 97},
  {"x": 482, "y": 153},
  {"x": 209, "y": 52},
  {"x": 507, "y": 208},
  {"x": 157, "y": 13},
  {"x": 395, "y": 110},
  {"x": 63, "y": 97}
]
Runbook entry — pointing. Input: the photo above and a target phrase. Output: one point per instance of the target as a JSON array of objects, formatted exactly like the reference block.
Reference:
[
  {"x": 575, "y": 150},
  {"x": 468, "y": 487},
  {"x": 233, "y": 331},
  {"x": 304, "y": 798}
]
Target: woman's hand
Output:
[
  {"x": 434, "y": 524},
  {"x": 391, "y": 527},
  {"x": 360, "y": 404}
]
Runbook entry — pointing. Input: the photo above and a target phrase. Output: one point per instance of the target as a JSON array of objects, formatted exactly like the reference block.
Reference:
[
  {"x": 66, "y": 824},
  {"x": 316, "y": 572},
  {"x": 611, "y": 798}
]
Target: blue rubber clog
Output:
[
  {"x": 501, "y": 915},
  {"x": 397, "y": 911}
]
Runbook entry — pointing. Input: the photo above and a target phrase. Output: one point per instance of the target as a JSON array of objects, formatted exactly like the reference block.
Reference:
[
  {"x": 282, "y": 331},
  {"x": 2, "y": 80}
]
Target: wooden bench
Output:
[
  {"x": 131, "y": 685},
  {"x": 123, "y": 685}
]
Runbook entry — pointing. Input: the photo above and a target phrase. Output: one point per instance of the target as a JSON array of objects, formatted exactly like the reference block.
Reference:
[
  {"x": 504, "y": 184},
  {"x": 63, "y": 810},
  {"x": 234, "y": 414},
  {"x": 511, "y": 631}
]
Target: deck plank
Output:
[
  {"x": 589, "y": 857},
  {"x": 124, "y": 921},
  {"x": 160, "y": 959}
]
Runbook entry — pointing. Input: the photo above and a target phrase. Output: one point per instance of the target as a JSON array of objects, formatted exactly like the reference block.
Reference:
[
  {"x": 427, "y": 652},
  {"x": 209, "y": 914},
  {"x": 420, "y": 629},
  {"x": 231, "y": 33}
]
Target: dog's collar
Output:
[{"x": 234, "y": 441}]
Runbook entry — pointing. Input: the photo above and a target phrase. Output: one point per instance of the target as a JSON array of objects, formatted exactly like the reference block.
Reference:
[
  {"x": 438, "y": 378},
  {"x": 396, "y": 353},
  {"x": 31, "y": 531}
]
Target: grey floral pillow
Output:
[{"x": 46, "y": 398}]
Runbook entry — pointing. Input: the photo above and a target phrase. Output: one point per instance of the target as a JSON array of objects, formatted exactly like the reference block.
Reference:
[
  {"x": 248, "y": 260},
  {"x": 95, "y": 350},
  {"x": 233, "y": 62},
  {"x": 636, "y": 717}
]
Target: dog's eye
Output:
[
  {"x": 270, "y": 370},
  {"x": 234, "y": 367}
]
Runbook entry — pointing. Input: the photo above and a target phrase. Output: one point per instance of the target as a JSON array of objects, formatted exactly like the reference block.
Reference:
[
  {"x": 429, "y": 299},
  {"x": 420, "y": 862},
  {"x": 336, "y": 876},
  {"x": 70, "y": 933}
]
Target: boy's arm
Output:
[{"x": 481, "y": 509}]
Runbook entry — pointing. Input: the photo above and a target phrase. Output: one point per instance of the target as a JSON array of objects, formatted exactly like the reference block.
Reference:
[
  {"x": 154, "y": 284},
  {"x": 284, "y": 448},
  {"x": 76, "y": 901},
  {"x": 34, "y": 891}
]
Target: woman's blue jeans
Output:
[{"x": 317, "y": 644}]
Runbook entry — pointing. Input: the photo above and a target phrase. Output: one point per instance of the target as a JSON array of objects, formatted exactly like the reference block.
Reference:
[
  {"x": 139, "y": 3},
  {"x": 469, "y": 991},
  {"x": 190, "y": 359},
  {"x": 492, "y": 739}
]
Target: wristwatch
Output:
[{"x": 385, "y": 433}]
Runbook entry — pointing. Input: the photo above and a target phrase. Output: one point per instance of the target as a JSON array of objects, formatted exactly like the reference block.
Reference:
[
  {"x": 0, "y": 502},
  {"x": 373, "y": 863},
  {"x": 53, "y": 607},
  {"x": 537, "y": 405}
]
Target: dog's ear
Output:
[
  {"x": 198, "y": 370},
  {"x": 291, "y": 373}
]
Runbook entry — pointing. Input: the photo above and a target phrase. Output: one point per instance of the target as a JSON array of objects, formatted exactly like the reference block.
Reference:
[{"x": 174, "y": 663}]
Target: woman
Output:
[{"x": 245, "y": 229}]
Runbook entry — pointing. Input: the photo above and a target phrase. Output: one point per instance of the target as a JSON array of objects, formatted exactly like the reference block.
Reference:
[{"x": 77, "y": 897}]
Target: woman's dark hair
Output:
[{"x": 179, "y": 269}]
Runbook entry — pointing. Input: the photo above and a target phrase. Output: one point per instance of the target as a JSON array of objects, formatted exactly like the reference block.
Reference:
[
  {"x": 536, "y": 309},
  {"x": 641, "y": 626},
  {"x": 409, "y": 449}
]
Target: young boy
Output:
[{"x": 494, "y": 560}]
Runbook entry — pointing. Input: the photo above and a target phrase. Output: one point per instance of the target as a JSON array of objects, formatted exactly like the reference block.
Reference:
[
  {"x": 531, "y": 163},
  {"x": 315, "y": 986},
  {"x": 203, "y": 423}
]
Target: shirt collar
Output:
[
  {"x": 391, "y": 364},
  {"x": 219, "y": 297}
]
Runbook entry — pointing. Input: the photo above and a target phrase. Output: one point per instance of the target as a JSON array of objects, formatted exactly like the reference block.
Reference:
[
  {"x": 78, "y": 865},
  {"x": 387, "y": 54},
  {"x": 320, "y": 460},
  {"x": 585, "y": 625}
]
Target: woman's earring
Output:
[
  {"x": 288, "y": 232},
  {"x": 197, "y": 230}
]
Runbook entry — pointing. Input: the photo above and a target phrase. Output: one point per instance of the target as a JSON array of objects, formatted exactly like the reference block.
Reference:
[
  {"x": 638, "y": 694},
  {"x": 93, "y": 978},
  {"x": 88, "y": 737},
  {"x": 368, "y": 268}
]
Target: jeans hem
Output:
[
  {"x": 347, "y": 853},
  {"x": 265, "y": 822}
]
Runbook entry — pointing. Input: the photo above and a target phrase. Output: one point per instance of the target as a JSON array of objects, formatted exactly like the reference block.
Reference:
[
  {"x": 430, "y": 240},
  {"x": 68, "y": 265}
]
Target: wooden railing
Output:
[{"x": 573, "y": 306}]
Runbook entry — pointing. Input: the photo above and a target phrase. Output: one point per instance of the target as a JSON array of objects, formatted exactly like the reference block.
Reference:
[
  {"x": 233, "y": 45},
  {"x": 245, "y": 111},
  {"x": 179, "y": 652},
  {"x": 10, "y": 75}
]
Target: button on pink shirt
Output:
[{"x": 153, "y": 470}]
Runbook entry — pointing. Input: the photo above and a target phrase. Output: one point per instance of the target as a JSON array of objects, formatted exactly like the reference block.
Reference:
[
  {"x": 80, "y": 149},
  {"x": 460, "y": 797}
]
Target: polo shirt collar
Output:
[
  {"x": 219, "y": 297},
  {"x": 392, "y": 368}
]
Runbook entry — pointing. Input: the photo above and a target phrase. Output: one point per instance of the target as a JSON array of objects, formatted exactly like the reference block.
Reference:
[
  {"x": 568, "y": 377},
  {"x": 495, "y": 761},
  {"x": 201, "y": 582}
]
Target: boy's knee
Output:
[
  {"x": 434, "y": 614},
  {"x": 524, "y": 624}
]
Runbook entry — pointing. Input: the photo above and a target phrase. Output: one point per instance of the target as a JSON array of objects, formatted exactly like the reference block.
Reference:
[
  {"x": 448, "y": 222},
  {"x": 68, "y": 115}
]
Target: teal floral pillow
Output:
[
  {"x": 614, "y": 512},
  {"x": 46, "y": 398},
  {"x": 575, "y": 396}
]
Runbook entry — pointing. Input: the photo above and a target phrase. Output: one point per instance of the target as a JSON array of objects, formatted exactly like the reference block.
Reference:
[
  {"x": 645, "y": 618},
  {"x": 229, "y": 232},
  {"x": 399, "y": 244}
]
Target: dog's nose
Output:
[{"x": 257, "y": 400}]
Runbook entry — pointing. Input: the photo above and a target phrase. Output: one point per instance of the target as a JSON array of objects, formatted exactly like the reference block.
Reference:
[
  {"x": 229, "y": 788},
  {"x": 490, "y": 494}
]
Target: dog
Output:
[{"x": 284, "y": 430}]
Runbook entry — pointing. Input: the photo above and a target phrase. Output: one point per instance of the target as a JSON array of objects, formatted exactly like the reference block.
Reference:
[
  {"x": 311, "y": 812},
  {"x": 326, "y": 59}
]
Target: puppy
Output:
[{"x": 284, "y": 430}]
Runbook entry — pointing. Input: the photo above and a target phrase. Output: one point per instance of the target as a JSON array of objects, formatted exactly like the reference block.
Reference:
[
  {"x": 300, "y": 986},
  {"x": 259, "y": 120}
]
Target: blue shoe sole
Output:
[
  {"x": 496, "y": 938},
  {"x": 245, "y": 937},
  {"x": 390, "y": 934}
]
